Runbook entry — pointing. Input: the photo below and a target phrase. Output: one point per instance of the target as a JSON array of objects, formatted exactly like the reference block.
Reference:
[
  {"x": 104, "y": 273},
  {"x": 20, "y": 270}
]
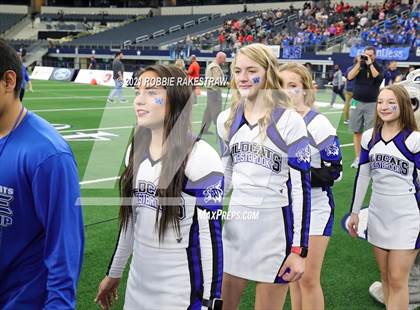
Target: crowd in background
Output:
[{"x": 369, "y": 24}]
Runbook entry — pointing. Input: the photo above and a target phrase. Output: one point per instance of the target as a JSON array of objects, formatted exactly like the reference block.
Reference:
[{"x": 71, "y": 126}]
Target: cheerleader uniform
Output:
[
  {"x": 326, "y": 168},
  {"x": 184, "y": 271},
  {"x": 394, "y": 208},
  {"x": 272, "y": 177}
]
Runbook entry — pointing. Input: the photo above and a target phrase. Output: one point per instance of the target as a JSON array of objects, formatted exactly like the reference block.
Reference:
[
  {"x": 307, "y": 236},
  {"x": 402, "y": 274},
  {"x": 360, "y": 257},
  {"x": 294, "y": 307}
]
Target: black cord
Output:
[{"x": 101, "y": 222}]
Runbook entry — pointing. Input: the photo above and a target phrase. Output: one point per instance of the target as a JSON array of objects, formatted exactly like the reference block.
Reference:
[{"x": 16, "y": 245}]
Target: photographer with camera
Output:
[{"x": 367, "y": 75}]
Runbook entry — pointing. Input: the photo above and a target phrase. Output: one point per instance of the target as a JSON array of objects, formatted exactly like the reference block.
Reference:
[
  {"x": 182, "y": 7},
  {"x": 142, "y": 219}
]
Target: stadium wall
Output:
[
  {"x": 164, "y": 55},
  {"x": 13, "y": 9},
  {"x": 205, "y": 9},
  {"x": 80, "y": 10}
]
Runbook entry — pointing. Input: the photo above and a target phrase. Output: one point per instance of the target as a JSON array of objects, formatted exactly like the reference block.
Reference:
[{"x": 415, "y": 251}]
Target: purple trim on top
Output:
[
  {"x": 208, "y": 191},
  {"x": 399, "y": 141},
  {"x": 327, "y": 142},
  {"x": 277, "y": 113},
  {"x": 329, "y": 226},
  {"x": 311, "y": 140},
  {"x": 372, "y": 142},
  {"x": 237, "y": 122},
  {"x": 224, "y": 149},
  {"x": 272, "y": 132},
  {"x": 364, "y": 156},
  {"x": 274, "y": 135},
  {"x": 310, "y": 116}
]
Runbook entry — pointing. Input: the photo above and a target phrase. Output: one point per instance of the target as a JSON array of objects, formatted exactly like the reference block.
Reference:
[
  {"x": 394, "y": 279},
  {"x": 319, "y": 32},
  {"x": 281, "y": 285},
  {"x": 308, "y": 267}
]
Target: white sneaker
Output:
[
  {"x": 376, "y": 291},
  {"x": 355, "y": 163}
]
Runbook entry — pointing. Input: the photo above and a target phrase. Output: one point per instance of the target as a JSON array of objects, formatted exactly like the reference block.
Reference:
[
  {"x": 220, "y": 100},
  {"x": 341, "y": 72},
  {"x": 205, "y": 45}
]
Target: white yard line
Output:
[
  {"x": 105, "y": 128},
  {"x": 95, "y": 108},
  {"x": 117, "y": 177},
  {"x": 99, "y": 180},
  {"x": 96, "y": 129},
  {"x": 82, "y": 109},
  {"x": 67, "y": 98}
]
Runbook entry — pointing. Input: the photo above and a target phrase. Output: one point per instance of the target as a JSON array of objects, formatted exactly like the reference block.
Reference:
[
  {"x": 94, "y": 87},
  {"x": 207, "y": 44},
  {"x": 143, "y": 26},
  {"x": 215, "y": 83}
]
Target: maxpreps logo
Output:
[{"x": 6, "y": 213}]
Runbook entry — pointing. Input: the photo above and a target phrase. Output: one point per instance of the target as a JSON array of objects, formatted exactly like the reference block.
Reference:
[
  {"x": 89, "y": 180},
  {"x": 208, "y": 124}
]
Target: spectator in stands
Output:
[
  {"x": 215, "y": 78},
  {"x": 249, "y": 38},
  {"x": 194, "y": 73},
  {"x": 392, "y": 75},
  {"x": 368, "y": 77},
  {"x": 338, "y": 84},
  {"x": 348, "y": 94},
  {"x": 222, "y": 40},
  {"x": 92, "y": 64},
  {"x": 188, "y": 46},
  {"x": 118, "y": 76},
  {"x": 180, "y": 64},
  {"x": 25, "y": 78}
]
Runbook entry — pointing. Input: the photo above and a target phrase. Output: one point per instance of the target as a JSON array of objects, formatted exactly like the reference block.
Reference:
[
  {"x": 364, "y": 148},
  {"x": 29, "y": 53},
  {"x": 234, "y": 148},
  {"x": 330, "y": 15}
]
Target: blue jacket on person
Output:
[{"x": 41, "y": 226}]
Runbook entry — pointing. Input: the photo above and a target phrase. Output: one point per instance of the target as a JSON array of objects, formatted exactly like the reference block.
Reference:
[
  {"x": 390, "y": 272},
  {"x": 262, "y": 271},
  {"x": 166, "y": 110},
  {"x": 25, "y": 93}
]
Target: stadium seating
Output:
[
  {"x": 132, "y": 31},
  {"x": 8, "y": 20},
  {"x": 196, "y": 29},
  {"x": 85, "y": 17}
]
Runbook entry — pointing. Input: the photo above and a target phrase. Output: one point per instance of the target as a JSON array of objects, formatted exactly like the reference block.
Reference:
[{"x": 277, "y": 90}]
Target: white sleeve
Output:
[
  {"x": 205, "y": 183},
  {"x": 328, "y": 145},
  {"x": 299, "y": 161},
  {"x": 228, "y": 171},
  {"x": 224, "y": 151},
  {"x": 123, "y": 251},
  {"x": 413, "y": 145},
  {"x": 363, "y": 174}
]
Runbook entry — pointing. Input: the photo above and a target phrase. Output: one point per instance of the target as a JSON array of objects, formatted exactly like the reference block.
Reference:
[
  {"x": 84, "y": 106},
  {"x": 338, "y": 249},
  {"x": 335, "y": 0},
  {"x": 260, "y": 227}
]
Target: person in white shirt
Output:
[
  {"x": 169, "y": 199},
  {"x": 390, "y": 155},
  {"x": 326, "y": 168},
  {"x": 266, "y": 154}
]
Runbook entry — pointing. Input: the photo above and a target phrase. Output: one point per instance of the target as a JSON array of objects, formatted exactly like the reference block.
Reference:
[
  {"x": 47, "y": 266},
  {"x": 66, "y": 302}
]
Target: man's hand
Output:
[{"x": 369, "y": 60}]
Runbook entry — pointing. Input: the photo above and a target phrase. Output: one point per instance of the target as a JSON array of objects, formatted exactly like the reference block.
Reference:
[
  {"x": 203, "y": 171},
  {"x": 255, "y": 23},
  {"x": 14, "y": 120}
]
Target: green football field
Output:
[{"x": 99, "y": 133}]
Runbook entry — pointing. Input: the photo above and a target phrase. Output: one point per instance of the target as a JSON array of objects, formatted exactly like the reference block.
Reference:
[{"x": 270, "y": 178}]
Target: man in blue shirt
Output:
[
  {"x": 41, "y": 227},
  {"x": 392, "y": 75}
]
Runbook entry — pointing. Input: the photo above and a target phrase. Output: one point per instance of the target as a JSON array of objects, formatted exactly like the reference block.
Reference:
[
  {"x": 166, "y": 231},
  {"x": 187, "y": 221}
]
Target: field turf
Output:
[{"x": 349, "y": 266}]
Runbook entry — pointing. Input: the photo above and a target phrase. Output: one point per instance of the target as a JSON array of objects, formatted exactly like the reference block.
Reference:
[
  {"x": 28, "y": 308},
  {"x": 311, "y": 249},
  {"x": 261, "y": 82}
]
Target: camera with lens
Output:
[{"x": 363, "y": 57}]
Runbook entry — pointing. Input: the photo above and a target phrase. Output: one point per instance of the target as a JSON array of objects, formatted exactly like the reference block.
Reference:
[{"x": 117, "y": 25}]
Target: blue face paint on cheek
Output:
[
  {"x": 159, "y": 100},
  {"x": 394, "y": 108},
  {"x": 295, "y": 91},
  {"x": 256, "y": 80}
]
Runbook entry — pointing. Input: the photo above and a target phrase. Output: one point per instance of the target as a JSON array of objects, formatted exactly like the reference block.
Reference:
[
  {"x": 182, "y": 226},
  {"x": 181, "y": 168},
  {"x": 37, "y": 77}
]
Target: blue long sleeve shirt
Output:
[{"x": 41, "y": 226}]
